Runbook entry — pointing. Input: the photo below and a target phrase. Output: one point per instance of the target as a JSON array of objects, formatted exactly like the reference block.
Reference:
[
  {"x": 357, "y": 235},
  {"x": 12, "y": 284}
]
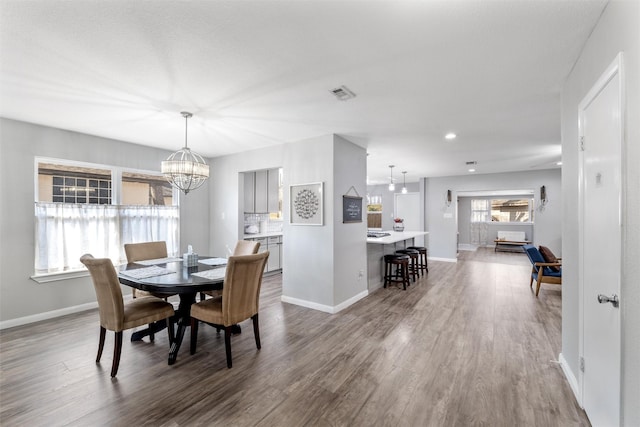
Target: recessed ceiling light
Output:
[
  {"x": 472, "y": 170},
  {"x": 450, "y": 136},
  {"x": 558, "y": 163}
]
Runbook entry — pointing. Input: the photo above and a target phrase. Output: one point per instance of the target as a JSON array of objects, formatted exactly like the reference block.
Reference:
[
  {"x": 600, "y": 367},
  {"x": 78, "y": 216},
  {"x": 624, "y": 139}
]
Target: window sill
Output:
[{"x": 56, "y": 277}]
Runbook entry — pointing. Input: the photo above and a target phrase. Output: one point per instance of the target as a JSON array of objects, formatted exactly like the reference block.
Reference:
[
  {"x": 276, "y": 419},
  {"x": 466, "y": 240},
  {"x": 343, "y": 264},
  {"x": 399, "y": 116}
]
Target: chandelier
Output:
[{"x": 185, "y": 169}]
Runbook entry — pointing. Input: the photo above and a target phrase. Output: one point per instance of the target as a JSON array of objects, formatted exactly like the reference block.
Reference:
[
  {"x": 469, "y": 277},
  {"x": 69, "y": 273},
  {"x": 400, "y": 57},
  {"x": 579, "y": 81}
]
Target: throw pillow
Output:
[{"x": 548, "y": 257}]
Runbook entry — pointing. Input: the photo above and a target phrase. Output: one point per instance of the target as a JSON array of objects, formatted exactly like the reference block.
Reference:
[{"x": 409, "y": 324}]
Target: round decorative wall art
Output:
[{"x": 306, "y": 204}]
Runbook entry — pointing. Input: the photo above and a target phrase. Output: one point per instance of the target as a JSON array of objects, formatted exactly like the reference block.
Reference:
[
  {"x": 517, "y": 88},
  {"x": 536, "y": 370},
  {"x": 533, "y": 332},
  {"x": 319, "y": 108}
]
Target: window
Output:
[
  {"x": 84, "y": 208},
  {"x": 512, "y": 210},
  {"x": 479, "y": 210},
  {"x": 502, "y": 210}
]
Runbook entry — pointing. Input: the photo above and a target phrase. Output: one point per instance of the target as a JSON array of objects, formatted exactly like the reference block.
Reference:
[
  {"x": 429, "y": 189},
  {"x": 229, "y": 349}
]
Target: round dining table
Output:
[{"x": 173, "y": 278}]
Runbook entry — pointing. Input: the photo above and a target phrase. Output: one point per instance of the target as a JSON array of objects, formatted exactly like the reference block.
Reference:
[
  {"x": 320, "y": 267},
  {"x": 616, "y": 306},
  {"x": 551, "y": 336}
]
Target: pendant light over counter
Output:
[
  {"x": 392, "y": 186},
  {"x": 185, "y": 170},
  {"x": 404, "y": 182}
]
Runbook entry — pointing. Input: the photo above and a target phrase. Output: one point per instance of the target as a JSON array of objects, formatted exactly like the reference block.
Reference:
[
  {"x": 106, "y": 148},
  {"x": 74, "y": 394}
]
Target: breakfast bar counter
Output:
[{"x": 386, "y": 244}]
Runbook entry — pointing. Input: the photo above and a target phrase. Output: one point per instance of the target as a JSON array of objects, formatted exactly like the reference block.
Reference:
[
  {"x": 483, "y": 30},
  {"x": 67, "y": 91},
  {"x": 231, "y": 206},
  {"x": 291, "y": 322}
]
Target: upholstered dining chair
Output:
[
  {"x": 117, "y": 316},
  {"x": 239, "y": 301},
  {"x": 543, "y": 270},
  {"x": 243, "y": 247},
  {"x": 142, "y": 252}
]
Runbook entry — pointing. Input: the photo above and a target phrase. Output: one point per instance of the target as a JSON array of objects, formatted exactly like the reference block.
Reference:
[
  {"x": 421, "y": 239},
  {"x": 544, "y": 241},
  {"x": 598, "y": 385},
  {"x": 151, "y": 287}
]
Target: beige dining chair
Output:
[
  {"x": 142, "y": 252},
  {"x": 117, "y": 316},
  {"x": 239, "y": 301},
  {"x": 243, "y": 247}
]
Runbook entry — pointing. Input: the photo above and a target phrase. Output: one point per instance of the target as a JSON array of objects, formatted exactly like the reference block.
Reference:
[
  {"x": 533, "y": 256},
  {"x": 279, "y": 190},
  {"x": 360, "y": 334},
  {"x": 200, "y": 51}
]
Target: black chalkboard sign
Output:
[{"x": 351, "y": 209}]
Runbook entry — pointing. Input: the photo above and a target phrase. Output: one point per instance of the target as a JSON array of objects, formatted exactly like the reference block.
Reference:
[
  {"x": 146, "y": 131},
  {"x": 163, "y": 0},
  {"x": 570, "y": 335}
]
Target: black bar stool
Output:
[
  {"x": 422, "y": 261},
  {"x": 401, "y": 272},
  {"x": 414, "y": 269}
]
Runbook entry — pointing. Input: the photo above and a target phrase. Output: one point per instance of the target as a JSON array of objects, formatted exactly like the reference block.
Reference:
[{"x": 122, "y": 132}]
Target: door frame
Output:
[{"x": 614, "y": 69}]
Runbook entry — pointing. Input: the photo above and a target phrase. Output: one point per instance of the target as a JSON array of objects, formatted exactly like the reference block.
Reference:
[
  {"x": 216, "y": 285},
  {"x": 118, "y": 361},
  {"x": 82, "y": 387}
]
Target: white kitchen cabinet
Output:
[
  {"x": 261, "y": 192},
  {"x": 274, "y": 244},
  {"x": 249, "y": 192},
  {"x": 273, "y": 187}
]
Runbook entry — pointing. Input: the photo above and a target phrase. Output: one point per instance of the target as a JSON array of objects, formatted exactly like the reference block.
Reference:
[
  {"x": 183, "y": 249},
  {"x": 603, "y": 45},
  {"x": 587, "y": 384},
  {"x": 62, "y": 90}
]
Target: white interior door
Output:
[
  {"x": 601, "y": 247},
  {"x": 407, "y": 207}
]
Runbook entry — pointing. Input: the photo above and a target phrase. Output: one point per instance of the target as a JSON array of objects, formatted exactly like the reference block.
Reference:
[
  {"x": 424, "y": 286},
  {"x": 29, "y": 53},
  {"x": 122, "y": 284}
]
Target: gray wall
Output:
[
  {"x": 618, "y": 30},
  {"x": 20, "y": 143},
  {"x": 442, "y": 222},
  {"x": 388, "y": 199},
  {"x": 320, "y": 264}
]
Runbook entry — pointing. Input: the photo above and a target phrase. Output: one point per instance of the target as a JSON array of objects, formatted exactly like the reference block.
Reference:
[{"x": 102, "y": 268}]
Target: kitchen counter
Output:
[
  {"x": 396, "y": 236},
  {"x": 262, "y": 235},
  {"x": 378, "y": 247}
]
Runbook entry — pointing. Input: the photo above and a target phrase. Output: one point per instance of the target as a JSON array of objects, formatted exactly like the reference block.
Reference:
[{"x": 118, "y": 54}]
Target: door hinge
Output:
[
  {"x": 582, "y": 364},
  {"x": 582, "y": 143}
]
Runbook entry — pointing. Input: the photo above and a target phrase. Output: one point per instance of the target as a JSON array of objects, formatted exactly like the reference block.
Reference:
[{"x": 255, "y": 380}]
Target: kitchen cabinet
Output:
[
  {"x": 273, "y": 190},
  {"x": 261, "y": 195},
  {"x": 273, "y": 244},
  {"x": 261, "y": 191},
  {"x": 249, "y": 192}
]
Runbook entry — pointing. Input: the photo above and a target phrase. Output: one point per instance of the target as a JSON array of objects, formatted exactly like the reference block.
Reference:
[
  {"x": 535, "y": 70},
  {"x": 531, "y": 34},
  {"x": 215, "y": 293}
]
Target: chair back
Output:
[
  {"x": 143, "y": 251},
  {"x": 108, "y": 292},
  {"x": 535, "y": 256},
  {"x": 241, "y": 289},
  {"x": 246, "y": 247}
]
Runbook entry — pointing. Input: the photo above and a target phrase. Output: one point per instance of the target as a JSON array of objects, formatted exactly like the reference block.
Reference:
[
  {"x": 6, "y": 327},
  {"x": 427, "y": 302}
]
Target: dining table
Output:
[{"x": 171, "y": 276}]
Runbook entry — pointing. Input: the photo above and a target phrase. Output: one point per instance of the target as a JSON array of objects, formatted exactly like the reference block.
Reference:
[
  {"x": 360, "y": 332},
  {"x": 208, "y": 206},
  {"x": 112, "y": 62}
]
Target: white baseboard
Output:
[
  {"x": 5, "y": 324},
  {"x": 323, "y": 307},
  {"x": 571, "y": 378},
  {"x": 442, "y": 259},
  {"x": 47, "y": 315}
]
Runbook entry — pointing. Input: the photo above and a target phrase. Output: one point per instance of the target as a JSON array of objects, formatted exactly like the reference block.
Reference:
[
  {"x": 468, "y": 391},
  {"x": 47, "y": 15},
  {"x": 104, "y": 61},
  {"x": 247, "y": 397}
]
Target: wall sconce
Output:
[
  {"x": 543, "y": 197},
  {"x": 448, "y": 198}
]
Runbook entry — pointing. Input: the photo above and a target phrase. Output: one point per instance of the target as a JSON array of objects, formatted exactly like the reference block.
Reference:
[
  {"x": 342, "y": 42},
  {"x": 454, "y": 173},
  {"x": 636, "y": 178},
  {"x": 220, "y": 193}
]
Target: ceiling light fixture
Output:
[
  {"x": 404, "y": 182},
  {"x": 558, "y": 163},
  {"x": 185, "y": 169},
  {"x": 450, "y": 136},
  {"x": 392, "y": 186},
  {"x": 472, "y": 170}
]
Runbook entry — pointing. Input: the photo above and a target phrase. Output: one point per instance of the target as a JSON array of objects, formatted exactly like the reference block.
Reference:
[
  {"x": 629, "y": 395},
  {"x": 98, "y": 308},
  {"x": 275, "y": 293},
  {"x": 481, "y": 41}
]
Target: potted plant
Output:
[{"x": 398, "y": 224}]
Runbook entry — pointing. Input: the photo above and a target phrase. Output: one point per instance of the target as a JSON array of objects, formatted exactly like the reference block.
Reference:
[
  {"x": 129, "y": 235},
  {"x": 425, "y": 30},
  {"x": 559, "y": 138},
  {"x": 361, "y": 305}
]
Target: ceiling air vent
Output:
[
  {"x": 343, "y": 93},
  {"x": 471, "y": 163}
]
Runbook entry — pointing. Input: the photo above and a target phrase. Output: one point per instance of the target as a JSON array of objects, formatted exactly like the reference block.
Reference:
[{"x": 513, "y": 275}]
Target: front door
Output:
[{"x": 601, "y": 246}]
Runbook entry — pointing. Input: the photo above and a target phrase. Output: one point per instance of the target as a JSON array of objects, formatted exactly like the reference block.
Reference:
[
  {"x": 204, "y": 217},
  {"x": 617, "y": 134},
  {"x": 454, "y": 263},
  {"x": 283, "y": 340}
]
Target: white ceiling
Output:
[{"x": 258, "y": 73}]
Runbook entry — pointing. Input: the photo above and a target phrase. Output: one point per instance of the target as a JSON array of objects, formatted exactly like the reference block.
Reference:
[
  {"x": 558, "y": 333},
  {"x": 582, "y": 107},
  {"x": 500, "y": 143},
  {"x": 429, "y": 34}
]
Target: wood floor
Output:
[{"x": 469, "y": 345}]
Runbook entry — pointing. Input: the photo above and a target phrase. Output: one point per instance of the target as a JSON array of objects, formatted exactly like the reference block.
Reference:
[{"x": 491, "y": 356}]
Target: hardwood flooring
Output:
[{"x": 468, "y": 345}]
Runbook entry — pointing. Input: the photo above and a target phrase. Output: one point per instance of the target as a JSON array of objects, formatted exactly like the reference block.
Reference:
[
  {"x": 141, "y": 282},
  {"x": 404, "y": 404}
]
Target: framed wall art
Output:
[
  {"x": 351, "y": 209},
  {"x": 305, "y": 204}
]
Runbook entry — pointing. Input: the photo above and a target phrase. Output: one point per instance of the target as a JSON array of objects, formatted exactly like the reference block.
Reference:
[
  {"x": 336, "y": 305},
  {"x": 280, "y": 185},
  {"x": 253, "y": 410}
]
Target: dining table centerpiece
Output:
[{"x": 398, "y": 224}]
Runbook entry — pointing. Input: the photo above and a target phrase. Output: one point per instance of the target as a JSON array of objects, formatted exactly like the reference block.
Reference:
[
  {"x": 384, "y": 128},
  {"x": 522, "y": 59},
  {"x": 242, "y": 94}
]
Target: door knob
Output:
[{"x": 613, "y": 299}]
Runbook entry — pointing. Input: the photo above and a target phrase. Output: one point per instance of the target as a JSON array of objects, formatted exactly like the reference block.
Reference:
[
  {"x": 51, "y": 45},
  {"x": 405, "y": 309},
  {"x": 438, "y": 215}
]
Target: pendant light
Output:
[
  {"x": 392, "y": 186},
  {"x": 404, "y": 182},
  {"x": 185, "y": 169}
]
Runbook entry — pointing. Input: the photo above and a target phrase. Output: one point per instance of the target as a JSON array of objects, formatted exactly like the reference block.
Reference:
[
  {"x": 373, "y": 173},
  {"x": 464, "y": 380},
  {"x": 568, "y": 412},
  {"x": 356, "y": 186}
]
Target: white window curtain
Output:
[{"x": 64, "y": 232}]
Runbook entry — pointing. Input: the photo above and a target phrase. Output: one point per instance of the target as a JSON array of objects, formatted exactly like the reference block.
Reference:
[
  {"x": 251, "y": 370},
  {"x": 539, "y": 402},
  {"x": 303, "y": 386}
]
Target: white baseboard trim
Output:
[
  {"x": 5, "y": 324},
  {"x": 442, "y": 259},
  {"x": 323, "y": 307},
  {"x": 47, "y": 315},
  {"x": 571, "y": 378}
]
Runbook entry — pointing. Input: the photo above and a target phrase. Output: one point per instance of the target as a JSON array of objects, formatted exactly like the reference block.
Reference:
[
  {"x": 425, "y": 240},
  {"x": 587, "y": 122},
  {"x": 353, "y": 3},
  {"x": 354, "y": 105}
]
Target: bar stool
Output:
[
  {"x": 422, "y": 261},
  {"x": 414, "y": 269},
  {"x": 401, "y": 274}
]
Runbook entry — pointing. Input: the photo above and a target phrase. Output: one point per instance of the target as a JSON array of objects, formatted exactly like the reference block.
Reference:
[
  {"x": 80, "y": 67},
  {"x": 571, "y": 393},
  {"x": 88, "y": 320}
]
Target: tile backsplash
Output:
[{"x": 263, "y": 223}]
